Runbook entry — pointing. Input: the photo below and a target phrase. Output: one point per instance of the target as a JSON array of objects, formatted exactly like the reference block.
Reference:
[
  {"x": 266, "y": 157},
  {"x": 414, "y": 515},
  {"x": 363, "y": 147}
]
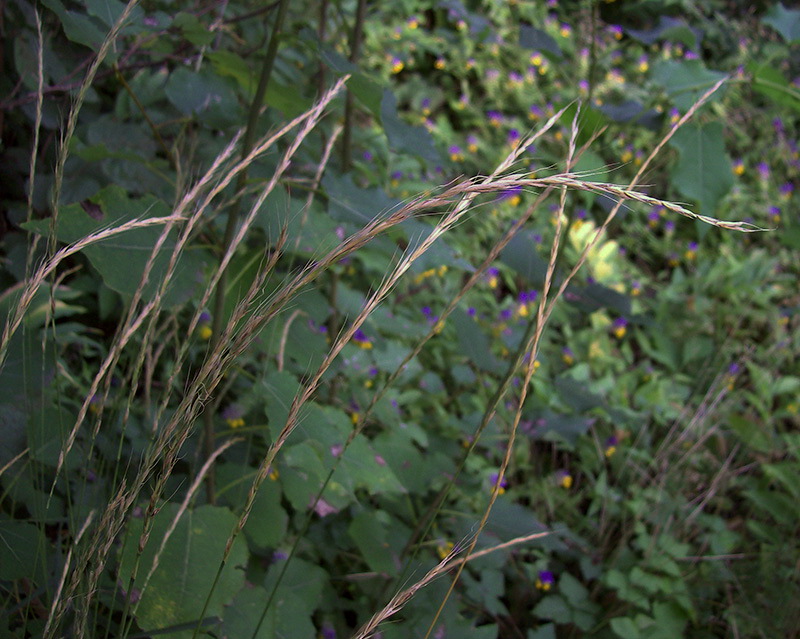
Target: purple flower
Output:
[
  {"x": 507, "y": 194},
  {"x": 545, "y": 580},
  {"x": 763, "y": 170},
  {"x": 494, "y": 477}
]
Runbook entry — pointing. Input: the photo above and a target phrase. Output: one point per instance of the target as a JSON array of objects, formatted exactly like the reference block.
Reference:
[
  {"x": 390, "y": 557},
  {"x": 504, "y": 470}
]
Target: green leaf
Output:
[
  {"x": 121, "y": 259},
  {"x": 554, "y": 427},
  {"x": 521, "y": 255},
  {"x": 685, "y": 81},
  {"x": 509, "y": 520},
  {"x": 404, "y": 138},
  {"x": 300, "y": 588},
  {"x": 546, "y": 631},
  {"x": 573, "y": 590},
  {"x": 769, "y": 81},
  {"x": 785, "y": 473},
  {"x": 232, "y": 65},
  {"x": 204, "y": 93},
  {"x": 784, "y": 21},
  {"x": 266, "y": 526},
  {"x": 21, "y": 544},
  {"x": 193, "y": 30},
  {"x": 187, "y": 567},
  {"x": 357, "y": 205},
  {"x": 474, "y": 343},
  {"x": 538, "y": 40},
  {"x": 368, "y": 531},
  {"x": 703, "y": 171},
  {"x": 672, "y": 29},
  {"x": 625, "y": 628},
  {"x": 78, "y": 27},
  {"x": 555, "y": 608},
  {"x": 366, "y": 91}
]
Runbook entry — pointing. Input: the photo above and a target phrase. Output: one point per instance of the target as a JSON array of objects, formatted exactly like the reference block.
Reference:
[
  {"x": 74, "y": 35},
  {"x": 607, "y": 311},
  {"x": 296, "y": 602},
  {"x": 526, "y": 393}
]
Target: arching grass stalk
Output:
[
  {"x": 544, "y": 314},
  {"x": 174, "y": 433},
  {"x": 434, "y": 330},
  {"x": 528, "y": 345},
  {"x": 233, "y": 218}
]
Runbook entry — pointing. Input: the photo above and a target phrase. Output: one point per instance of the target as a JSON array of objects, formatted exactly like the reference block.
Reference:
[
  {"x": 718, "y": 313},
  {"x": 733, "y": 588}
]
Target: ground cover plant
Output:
[{"x": 437, "y": 319}]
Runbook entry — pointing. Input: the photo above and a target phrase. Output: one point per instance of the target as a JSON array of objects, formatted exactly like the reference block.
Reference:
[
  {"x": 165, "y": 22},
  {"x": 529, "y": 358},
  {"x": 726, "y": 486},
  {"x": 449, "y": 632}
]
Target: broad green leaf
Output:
[
  {"x": 193, "y": 30},
  {"x": 567, "y": 428},
  {"x": 671, "y": 29},
  {"x": 573, "y": 590},
  {"x": 368, "y": 92},
  {"x": 625, "y": 628},
  {"x": 786, "y": 474},
  {"x": 521, "y": 255},
  {"x": 206, "y": 94},
  {"x": 784, "y": 21},
  {"x": 230, "y": 64},
  {"x": 368, "y": 531},
  {"x": 48, "y": 429},
  {"x": 538, "y": 40},
  {"x": 78, "y": 27},
  {"x": 22, "y": 555},
  {"x": 685, "y": 81},
  {"x": 509, "y": 520},
  {"x": 703, "y": 170},
  {"x": 555, "y": 608},
  {"x": 278, "y": 389},
  {"x": 404, "y": 138},
  {"x": 121, "y": 259},
  {"x": 474, "y": 343},
  {"x": 181, "y": 582},
  {"x": 546, "y": 631},
  {"x": 301, "y": 586},
  {"x": 266, "y": 526},
  {"x": 769, "y": 81},
  {"x": 576, "y": 395},
  {"x": 592, "y": 168},
  {"x": 357, "y": 205},
  {"x": 590, "y": 121}
]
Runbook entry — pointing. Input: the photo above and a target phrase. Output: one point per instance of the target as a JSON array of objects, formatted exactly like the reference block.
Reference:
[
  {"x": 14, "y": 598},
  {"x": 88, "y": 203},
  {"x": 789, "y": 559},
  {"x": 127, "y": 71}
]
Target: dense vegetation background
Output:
[{"x": 409, "y": 319}]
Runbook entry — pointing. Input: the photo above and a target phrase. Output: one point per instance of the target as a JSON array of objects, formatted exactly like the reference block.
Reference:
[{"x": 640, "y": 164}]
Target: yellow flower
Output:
[
  {"x": 443, "y": 548},
  {"x": 205, "y": 331}
]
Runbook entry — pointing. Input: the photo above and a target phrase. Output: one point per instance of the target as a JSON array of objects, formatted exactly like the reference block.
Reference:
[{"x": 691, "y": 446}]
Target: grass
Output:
[{"x": 155, "y": 353}]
